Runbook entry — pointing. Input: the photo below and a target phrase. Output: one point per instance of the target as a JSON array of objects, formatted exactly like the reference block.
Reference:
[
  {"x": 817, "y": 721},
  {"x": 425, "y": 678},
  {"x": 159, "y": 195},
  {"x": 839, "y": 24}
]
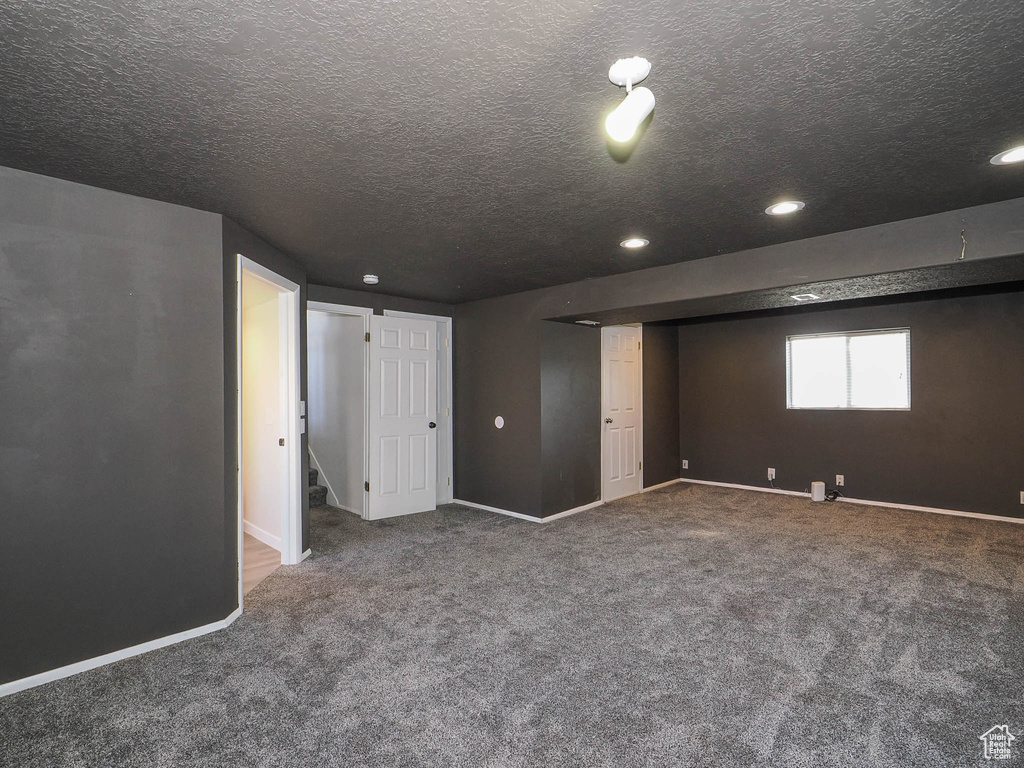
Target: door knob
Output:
[
  {"x": 281, "y": 441},
  {"x": 432, "y": 425},
  {"x": 608, "y": 420}
]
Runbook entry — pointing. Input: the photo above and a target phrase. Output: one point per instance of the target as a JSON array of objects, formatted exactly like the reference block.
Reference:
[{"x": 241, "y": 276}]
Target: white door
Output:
[
  {"x": 622, "y": 424},
  {"x": 403, "y": 416}
]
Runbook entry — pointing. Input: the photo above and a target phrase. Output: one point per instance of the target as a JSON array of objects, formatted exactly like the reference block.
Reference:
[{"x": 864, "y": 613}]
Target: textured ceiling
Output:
[
  {"x": 454, "y": 147},
  {"x": 1003, "y": 273}
]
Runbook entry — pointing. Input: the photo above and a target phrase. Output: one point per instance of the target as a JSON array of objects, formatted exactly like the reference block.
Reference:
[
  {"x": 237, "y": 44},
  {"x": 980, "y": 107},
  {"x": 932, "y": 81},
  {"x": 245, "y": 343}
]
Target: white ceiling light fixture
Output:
[
  {"x": 587, "y": 322},
  {"x": 1009, "y": 157},
  {"x": 621, "y": 125},
  {"x": 634, "y": 242},
  {"x": 781, "y": 209},
  {"x": 371, "y": 279},
  {"x": 806, "y": 297}
]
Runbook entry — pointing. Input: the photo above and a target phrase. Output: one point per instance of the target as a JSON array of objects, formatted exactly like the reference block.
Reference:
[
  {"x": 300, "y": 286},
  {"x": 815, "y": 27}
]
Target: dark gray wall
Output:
[
  {"x": 114, "y": 528},
  {"x": 544, "y": 378},
  {"x": 497, "y": 373},
  {"x": 377, "y": 301},
  {"x": 238, "y": 240},
  {"x": 498, "y": 341},
  {"x": 660, "y": 349},
  {"x": 959, "y": 447},
  {"x": 570, "y": 389}
]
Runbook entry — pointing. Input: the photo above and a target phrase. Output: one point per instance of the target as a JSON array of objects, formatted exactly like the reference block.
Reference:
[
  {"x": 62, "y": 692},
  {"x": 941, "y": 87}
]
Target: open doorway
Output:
[
  {"x": 621, "y": 412},
  {"x": 269, "y": 424},
  {"x": 380, "y": 411},
  {"x": 336, "y": 355}
]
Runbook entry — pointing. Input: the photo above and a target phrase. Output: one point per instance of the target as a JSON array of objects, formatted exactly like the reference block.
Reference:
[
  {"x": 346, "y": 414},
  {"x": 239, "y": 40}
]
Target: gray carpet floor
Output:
[{"x": 687, "y": 626}]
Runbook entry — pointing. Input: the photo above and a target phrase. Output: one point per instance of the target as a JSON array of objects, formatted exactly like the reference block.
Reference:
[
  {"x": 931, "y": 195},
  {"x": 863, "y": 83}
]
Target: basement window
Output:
[{"x": 861, "y": 370}]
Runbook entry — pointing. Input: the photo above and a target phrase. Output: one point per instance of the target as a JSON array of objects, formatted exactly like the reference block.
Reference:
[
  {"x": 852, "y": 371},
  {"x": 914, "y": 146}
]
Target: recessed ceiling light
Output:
[
  {"x": 1010, "y": 156},
  {"x": 371, "y": 279},
  {"x": 805, "y": 297},
  {"x": 634, "y": 242},
  {"x": 781, "y": 209}
]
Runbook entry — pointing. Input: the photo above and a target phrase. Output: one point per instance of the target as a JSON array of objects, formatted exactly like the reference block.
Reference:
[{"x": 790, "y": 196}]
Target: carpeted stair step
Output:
[
  {"x": 313, "y": 476},
  {"x": 317, "y": 496}
]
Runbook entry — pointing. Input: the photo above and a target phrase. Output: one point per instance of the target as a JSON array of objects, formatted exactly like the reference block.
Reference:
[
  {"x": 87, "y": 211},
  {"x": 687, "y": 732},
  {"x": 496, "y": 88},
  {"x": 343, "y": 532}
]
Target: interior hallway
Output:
[{"x": 259, "y": 560}]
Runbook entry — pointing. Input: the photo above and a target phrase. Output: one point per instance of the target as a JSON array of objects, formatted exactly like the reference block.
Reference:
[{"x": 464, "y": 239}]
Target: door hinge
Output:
[
  {"x": 641, "y": 465},
  {"x": 367, "y": 336},
  {"x": 449, "y": 481},
  {"x": 366, "y": 485},
  {"x": 447, "y": 342}
]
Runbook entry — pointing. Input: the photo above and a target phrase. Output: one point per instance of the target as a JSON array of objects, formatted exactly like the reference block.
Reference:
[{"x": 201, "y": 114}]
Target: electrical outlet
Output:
[
  {"x": 771, "y": 473},
  {"x": 686, "y": 465},
  {"x": 840, "y": 481}
]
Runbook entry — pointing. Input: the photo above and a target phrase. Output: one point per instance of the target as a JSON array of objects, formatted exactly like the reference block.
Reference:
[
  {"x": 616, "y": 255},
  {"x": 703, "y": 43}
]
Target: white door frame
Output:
[
  {"x": 640, "y": 414},
  {"x": 446, "y": 462},
  {"x": 365, "y": 313},
  {"x": 291, "y": 515}
]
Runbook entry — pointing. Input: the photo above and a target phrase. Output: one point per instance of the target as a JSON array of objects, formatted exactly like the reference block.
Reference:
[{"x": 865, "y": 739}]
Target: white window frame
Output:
[{"x": 847, "y": 335}]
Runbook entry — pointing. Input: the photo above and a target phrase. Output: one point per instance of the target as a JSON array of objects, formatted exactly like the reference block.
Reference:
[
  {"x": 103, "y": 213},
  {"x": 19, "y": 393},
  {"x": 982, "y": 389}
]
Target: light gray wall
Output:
[{"x": 337, "y": 404}]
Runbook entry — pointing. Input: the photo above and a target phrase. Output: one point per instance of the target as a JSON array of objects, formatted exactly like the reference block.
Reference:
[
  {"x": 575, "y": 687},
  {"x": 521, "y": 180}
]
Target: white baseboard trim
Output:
[
  {"x": 666, "y": 484},
  {"x": 869, "y": 503},
  {"x": 532, "y": 519},
  {"x": 258, "y": 533},
  {"x": 496, "y": 510},
  {"x": 305, "y": 554},
  {"x": 558, "y": 515},
  {"x": 934, "y": 510},
  {"x": 572, "y": 511},
  {"x": 745, "y": 487},
  {"x": 109, "y": 658}
]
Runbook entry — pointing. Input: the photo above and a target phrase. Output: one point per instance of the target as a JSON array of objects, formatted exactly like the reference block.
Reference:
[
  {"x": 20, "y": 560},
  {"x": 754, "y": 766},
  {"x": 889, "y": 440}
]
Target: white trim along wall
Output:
[
  {"x": 885, "y": 504},
  {"x": 125, "y": 653},
  {"x": 866, "y": 502}
]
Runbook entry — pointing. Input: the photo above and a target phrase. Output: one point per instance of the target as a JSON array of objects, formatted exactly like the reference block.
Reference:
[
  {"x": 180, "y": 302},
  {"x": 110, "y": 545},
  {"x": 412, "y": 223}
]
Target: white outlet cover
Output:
[{"x": 686, "y": 465}]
